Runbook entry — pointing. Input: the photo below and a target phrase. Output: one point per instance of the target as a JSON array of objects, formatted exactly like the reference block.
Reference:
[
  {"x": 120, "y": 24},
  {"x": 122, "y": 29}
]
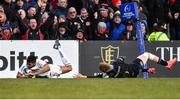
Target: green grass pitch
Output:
[{"x": 132, "y": 88}]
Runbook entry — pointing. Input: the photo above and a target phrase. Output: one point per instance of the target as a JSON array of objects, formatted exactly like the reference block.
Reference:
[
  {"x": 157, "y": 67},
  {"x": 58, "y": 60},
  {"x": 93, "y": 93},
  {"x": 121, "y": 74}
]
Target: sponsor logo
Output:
[
  {"x": 169, "y": 52},
  {"x": 127, "y": 8},
  {"x": 20, "y": 58}
]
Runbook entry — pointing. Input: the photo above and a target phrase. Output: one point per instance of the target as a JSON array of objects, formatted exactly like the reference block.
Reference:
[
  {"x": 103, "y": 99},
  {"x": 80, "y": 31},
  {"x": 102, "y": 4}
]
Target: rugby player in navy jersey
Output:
[{"x": 121, "y": 69}]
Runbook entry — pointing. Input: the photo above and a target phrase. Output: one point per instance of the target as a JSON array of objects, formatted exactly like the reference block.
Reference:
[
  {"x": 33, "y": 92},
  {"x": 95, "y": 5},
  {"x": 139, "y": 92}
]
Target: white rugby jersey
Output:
[{"x": 39, "y": 64}]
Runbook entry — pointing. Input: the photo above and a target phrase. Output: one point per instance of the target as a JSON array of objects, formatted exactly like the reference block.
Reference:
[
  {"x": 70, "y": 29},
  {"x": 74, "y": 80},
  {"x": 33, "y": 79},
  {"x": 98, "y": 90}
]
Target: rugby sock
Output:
[
  {"x": 63, "y": 57},
  {"x": 143, "y": 70},
  {"x": 162, "y": 62}
]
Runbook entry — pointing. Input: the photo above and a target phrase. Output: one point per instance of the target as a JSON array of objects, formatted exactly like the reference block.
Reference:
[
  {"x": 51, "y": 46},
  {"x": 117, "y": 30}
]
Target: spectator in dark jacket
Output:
[
  {"x": 72, "y": 21},
  {"x": 61, "y": 18},
  {"x": 63, "y": 33},
  {"x": 49, "y": 26},
  {"x": 22, "y": 21},
  {"x": 104, "y": 15},
  {"x": 76, "y": 4},
  {"x": 173, "y": 18},
  {"x": 28, "y": 3},
  {"x": 32, "y": 13},
  {"x": 53, "y": 4},
  {"x": 101, "y": 33},
  {"x": 177, "y": 24},
  {"x": 129, "y": 33},
  {"x": 116, "y": 4},
  {"x": 19, "y": 5},
  {"x": 1, "y": 9},
  {"x": 62, "y": 8},
  {"x": 157, "y": 11},
  {"x": 9, "y": 8},
  {"x": 41, "y": 10},
  {"x": 145, "y": 30},
  {"x": 80, "y": 35},
  {"x": 85, "y": 23}
]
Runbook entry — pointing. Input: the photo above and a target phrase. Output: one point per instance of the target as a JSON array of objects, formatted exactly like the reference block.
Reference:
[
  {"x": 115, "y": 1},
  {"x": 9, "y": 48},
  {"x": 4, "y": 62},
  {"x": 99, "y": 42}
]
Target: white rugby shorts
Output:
[{"x": 55, "y": 71}]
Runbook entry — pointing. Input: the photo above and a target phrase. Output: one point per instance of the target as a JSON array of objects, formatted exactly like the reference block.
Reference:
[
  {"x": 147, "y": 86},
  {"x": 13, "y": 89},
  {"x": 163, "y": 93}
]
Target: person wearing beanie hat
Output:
[
  {"x": 6, "y": 32},
  {"x": 62, "y": 8},
  {"x": 85, "y": 23},
  {"x": 62, "y": 24},
  {"x": 118, "y": 27},
  {"x": 104, "y": 15},
  {"x": 103, "y": 6},
  {"x": 116, "y": 3},
  {"x": 144, "y": 28},
  {"x": 102, "y": 9},
  {"x": 62, "y": 33},
  {"x": 80, "y": 35},
  {"x": 130, "y": 32},
  {"x": 117, "y": 13},
  {"x": 61, "y": 18},
  {"x": 145, "y": 23}
]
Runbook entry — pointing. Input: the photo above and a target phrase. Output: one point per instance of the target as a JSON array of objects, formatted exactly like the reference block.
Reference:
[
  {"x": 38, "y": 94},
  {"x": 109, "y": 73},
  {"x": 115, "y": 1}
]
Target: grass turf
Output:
[{"x": 159, "y": 88}]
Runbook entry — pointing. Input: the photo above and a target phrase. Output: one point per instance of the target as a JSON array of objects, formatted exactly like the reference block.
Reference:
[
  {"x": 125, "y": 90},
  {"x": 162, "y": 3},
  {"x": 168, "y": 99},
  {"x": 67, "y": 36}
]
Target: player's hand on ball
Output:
[{"x": 30, "y": 74}]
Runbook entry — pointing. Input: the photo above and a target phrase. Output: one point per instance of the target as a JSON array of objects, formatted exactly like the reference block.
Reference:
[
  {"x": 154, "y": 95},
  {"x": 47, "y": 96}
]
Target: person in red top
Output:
[{"x": 33, "y": 32}]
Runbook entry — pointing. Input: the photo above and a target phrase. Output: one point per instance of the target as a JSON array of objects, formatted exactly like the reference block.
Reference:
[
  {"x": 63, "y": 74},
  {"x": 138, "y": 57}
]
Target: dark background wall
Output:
[{"x": 93, "y": 52}]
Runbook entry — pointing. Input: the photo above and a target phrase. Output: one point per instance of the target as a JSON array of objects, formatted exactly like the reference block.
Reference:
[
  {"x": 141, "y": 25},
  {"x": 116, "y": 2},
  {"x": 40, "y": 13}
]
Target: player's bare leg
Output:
[
  {"x": 148, "y": 56},
  {"x": 67, "y": 65}
]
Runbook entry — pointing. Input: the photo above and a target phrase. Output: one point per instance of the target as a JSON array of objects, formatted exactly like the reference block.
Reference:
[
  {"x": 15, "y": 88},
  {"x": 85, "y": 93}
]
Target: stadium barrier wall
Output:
[
  {"x": 13, "y": 53},
  {"x": 85, "y": 56},
  {"x": 93, "y": 52}
]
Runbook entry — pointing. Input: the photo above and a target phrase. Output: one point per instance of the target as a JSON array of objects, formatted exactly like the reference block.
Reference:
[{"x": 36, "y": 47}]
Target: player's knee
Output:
[
  {"x": 146, "y": 54},
  {"x": 149, "y": 55}
]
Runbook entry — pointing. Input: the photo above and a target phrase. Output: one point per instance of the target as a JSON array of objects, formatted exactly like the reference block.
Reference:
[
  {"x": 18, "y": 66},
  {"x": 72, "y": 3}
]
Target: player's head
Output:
[
  {"x": 104, "y": 67},
  {"x": 31, "y": 61}
]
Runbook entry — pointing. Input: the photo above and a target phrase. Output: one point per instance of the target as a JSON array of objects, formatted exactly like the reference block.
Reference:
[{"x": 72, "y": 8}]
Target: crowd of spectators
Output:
[{"x": 87, "y": 20}]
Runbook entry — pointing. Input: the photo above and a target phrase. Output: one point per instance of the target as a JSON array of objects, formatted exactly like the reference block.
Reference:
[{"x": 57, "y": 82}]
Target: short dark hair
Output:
[{"x": 31, "y": 59}]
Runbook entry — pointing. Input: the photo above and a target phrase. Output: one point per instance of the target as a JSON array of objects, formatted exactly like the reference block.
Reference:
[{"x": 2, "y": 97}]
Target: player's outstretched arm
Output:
[
  {"x": 44, "y": 69},
  {"x": 19, "y": 75}
]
